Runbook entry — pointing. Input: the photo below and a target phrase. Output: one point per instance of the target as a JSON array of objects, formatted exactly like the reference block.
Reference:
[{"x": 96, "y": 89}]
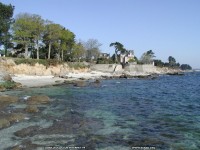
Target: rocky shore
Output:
[
  {"x": 24, "y": 75},
  {"x": 19, "y": 115}
]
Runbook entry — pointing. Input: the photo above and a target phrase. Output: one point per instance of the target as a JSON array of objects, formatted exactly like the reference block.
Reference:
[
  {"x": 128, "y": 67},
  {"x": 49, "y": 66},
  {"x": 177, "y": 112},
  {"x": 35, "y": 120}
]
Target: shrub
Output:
[{"x": 8, "y": 85}]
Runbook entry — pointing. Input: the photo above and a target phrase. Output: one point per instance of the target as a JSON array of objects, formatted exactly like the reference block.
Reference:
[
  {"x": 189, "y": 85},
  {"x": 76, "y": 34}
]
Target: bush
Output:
[{"x": 8, "y": 85}]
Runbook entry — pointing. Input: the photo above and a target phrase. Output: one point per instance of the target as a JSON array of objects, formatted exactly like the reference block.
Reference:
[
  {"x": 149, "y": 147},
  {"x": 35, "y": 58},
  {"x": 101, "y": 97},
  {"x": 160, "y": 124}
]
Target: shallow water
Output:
[{"x": 118, "y": 114}]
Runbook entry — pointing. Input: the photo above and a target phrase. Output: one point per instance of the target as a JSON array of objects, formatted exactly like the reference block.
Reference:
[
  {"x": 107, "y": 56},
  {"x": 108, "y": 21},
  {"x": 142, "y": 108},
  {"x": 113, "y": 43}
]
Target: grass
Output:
[
  {"x": 8, "y": 85},
  {"x": 32, "y": 62},
  {"x": 77, "y": 65}
]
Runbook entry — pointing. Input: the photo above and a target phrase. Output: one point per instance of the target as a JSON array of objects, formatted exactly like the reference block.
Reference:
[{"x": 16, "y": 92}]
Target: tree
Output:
[
  {"x": 186, "y": 67},
  {"x": 92, "y": 47},
  {"x": 51, "y": 35},
  {"x": 38, "y": 30},
  {"x": 147, "y": 57},
  {"x": 6, "y": 13},
  {"x": 66, "y": 41},
  {"x": 118, "y": 48},
  {"x": 23, "y": 31},
  {"x": 159, "y": 63},
  {"x": 78, "y": 51},
  {"x": 172, "y": 60}
]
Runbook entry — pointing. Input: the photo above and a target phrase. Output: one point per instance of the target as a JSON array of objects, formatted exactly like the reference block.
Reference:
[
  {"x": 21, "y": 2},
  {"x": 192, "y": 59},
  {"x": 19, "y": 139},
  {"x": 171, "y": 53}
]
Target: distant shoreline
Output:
[{"x": 39, "y": 75}]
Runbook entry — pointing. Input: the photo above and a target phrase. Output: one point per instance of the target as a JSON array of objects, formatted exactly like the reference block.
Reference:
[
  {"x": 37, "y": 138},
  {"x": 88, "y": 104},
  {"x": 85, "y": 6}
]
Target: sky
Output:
[{"x": 168, "y": 27}]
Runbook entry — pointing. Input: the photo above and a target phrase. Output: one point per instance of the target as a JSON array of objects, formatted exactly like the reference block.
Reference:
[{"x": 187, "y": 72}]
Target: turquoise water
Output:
[{"x": 118, "y": 114}]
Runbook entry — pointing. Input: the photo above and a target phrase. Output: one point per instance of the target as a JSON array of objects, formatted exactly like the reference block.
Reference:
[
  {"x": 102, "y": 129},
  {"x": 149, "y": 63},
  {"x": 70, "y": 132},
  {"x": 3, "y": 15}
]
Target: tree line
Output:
[{"x": 39, "y": 38}]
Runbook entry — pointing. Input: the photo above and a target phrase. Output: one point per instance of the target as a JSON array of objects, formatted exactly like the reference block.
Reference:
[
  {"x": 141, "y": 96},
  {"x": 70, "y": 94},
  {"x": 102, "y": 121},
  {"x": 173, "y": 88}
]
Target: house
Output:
[
  {"x": 126, "y": 57},
  {"x": 104, "y": 55}
]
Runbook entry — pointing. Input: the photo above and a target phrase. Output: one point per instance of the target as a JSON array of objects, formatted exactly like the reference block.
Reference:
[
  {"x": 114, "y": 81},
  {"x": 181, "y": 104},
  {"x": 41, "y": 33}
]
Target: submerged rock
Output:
[
  {"x": 16, "y": 117},
  {"x": 7, "y": 119},
  {"x": 6, "y": 100},
  {"x": 32, "y": 109},
  {"x": 29, "y": 131},
  {"x": 26, "y": 145},
  {"x": 4, "y": 123},
  {"x": 40, "y": 99}
]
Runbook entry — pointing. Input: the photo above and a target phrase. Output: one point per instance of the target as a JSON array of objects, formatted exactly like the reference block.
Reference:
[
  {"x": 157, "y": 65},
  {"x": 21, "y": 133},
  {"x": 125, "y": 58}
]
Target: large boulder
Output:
[
  {"x": 36, "y": 100},
  {"x": 29, "y": 131}
]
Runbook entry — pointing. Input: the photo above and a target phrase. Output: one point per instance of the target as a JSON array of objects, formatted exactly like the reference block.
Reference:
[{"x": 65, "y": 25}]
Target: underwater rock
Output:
[
  {"x": 40, "y": 99},
  {"x": 80, "y": 84},
  {"x": 27, "y": 145},
  {"x": 29, "y": 131},
  {"x": 7, "y": 119},
  {"x": 32, "y": 109},
  {"x": 6, "y": 100},
  {"x": 4, "y": 123},
  {"x": 16, "y": 117}
]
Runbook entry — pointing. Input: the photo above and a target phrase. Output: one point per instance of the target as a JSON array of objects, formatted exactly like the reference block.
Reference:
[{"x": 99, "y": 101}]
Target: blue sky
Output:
[{"x": 168, "y": 27}]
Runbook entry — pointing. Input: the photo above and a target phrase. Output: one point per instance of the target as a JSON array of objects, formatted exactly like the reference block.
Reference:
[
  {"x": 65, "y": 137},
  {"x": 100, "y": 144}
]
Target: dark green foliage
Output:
[
  {"x": 6, "y": 13},
  {"x": 186, "y": 67},
  {"x": 171, "y": 60},
  {"x": 8, "y": 85},
  {"x": 77, "y": 65},
  {"x": 119, "y": 48},
  {"x": 147, "y": 57},
  {"x": 105, "y": 61},
  {"x": 172, "y": 63},
  {"x": 159, "y": 63}
]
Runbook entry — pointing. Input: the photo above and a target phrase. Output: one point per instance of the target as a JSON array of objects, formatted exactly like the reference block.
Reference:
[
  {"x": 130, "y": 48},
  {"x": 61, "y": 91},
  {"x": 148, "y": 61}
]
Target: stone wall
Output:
[
  {"x": 108, "y": 68},
  {"x": 140, "y": 68}
]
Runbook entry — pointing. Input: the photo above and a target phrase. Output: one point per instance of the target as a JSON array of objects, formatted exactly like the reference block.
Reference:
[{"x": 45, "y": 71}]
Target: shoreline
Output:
[
  {"x": 31, "y": 81},
  {"x": 27, "y": 76}
]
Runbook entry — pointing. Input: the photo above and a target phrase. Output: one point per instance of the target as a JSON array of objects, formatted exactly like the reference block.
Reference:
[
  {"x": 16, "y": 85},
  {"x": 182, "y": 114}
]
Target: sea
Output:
[{"x": 116, "y": 114}]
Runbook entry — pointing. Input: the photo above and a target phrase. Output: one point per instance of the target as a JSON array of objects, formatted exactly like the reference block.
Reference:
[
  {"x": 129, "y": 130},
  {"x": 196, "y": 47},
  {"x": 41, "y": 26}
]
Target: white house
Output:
[{"x": 124, "y": 58}]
